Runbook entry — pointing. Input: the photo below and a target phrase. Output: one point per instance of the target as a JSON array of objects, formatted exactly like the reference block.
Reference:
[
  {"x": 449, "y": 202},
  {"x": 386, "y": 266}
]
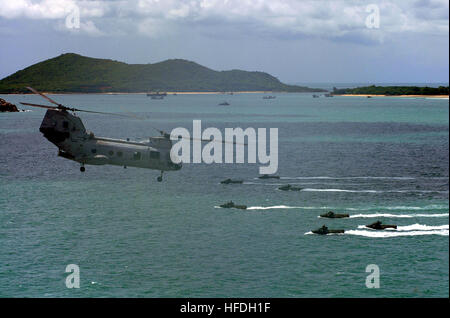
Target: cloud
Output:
[
  {"x": 154, "y": 28},
  {"x": 90, "y": 28},
  {"x": 50, "y": 9},
  {"x": 341, "y": 20}
]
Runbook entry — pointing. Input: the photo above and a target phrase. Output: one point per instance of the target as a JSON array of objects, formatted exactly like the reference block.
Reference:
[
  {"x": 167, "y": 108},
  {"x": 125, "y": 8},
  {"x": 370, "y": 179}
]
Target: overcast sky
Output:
[{"x": 296, "y": 41}]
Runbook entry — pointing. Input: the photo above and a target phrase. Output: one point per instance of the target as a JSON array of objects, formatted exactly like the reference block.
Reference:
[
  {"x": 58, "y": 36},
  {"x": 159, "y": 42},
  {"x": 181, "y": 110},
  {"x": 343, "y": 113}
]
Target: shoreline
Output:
[
  {"x": 168, "y": 93},
  {"x": 408, "y": 96},
  {"x": 236, "y": 92}
]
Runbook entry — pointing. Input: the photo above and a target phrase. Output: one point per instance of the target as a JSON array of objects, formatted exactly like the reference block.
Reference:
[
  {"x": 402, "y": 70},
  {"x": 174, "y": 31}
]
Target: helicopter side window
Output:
[
  {"x": 94, "y": 150},
  {"x": 111, "y": 152},
  {"x": 65, "y": 124},
  {"x": 137, "y": 155},
  {"x": 119, "y": 154},
  {"x": 154, "y": 155}
]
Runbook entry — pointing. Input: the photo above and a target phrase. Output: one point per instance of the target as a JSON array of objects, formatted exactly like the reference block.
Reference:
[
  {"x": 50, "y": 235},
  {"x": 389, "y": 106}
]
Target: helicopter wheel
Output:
[
  {"x": 160, "y": 177},
  {"x": 82, "y": 169}
]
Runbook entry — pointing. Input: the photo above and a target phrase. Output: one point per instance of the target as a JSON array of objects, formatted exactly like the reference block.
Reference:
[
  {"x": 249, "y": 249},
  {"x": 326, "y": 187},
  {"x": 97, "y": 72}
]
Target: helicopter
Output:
[{"x": 62, "y": 127}]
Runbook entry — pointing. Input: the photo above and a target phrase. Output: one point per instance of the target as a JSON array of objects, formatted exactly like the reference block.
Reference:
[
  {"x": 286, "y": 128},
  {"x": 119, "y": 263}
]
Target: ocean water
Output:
[{"x": 376, "y": 159}]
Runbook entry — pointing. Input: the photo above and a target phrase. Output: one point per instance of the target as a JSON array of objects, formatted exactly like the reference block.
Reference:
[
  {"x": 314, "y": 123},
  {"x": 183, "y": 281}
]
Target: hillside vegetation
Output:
[
  {"x": 394, "y": 90},
  {"x": 79, "y": 74}
]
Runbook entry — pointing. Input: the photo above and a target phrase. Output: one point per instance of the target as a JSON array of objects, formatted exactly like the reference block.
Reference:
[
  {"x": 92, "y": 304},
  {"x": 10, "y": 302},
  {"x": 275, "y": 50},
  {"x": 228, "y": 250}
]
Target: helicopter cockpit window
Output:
[
  {"x": 137, "y": 155},
  {"x": 154, "y": 155},
  {"x": 65, "y": 124}
]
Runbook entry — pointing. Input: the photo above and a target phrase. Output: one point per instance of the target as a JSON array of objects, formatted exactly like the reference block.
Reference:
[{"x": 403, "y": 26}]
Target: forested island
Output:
[
  {"x": 73, "y": 73},
  {"x": 392, "y": 90}
]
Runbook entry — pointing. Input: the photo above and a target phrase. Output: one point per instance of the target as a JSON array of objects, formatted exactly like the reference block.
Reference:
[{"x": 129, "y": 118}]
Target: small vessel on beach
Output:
[
  {"x": 157, "y": 95},
  {"x": 224, "y": 104}
]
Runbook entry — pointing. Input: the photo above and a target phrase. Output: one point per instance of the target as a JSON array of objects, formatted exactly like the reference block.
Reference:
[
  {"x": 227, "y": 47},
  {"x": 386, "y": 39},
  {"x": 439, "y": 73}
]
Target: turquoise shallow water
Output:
[{"x": 380, "y": 158}]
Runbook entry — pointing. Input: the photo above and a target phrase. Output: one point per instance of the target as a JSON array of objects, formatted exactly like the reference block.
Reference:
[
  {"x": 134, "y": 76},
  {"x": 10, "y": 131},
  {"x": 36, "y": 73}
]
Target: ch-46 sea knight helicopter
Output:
[{"x": 63, "y": 128}]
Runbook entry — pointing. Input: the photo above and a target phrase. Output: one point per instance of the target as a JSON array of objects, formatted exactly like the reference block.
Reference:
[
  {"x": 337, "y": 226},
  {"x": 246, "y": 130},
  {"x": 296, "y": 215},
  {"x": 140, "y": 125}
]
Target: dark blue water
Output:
[{"x": 376, "y": 159}]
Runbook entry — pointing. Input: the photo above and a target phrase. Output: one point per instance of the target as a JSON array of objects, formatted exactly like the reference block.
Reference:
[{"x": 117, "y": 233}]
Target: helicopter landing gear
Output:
[
  {"x": 160, "y": 177},
  {"x": 82, "y": 168}
]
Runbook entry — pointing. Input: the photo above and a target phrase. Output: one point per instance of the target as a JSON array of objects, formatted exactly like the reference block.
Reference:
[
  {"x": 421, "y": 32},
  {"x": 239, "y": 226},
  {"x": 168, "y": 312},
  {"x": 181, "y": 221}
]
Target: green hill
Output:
[
  {"x": 394, "y": 90},
  {"x": 80, "y": 74}
]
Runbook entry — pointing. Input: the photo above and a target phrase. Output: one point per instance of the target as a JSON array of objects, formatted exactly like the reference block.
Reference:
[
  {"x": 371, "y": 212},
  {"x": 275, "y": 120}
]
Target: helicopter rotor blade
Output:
[
  {"x": 162, "y": 132},
  {"x": 167, "y": 135},
  {"x": 44, "y": 96},
  {"x": 213, "y": 140},
  {"x": 60, "y": 106},
  {"x": 103, "y": 113},
  {"x": 38, "y": 105},
  {"x": 75, "y": 109}
]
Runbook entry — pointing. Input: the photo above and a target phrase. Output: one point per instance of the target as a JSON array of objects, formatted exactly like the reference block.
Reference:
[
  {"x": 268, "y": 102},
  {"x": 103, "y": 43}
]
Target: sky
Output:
[{"x": 309, "y": 41}]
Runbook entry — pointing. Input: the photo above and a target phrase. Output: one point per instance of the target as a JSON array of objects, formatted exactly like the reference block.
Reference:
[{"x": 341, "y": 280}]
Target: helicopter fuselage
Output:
[{"x": 74, "y": 142}]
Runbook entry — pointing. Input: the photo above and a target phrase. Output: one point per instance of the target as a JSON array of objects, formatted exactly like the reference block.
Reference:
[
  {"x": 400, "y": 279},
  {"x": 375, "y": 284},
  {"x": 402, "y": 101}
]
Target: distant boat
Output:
[
  {"x": 231, "y": 204},
  {"x": 328, "y": 95},
  {"x": 157, "y": 95},
  {"x": 266, "y": 176},
  {"x": 288, "y": 187},
  {"x": 332, "y": 215},
  {"x": 231, "y": 181},
  {"x": 378, "y": 226},
  {"x": 224, "y": 104},
  {"x": 325, "y": 230},
  {"x": 315, "y": 96},
  {"x": 269, "y": 97}
]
